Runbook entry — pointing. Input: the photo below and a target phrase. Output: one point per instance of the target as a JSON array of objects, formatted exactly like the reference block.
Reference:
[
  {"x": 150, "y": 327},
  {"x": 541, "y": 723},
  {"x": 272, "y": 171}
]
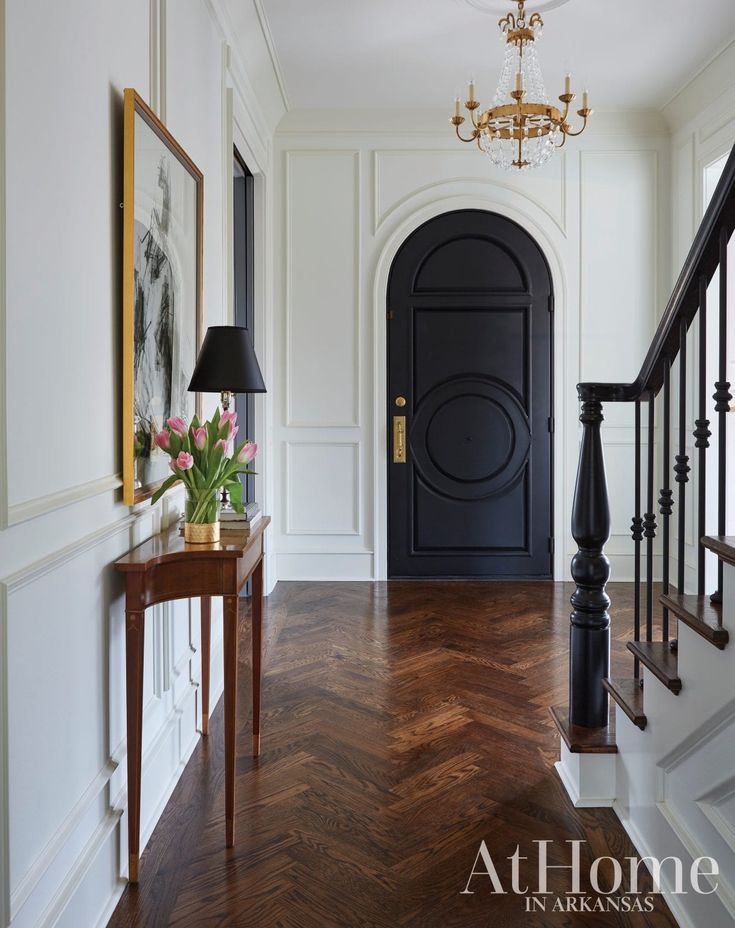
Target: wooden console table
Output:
[{"x": 165, "y": 568}]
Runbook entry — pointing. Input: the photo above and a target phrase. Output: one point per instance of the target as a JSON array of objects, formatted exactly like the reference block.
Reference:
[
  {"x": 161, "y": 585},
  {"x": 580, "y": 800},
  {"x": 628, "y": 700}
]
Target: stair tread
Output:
[
  {"x": 580, "y": 740},
  {"x": 628, "y": 694},
  {"x": 658, "y": 657},
  {"x": 701, "y": 615},
  {"x": 722, "y": 545}
]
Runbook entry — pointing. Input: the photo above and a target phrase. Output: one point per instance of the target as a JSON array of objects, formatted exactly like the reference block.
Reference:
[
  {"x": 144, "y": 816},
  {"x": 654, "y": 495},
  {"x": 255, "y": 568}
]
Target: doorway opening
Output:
[{"x": 243, "y": 218}]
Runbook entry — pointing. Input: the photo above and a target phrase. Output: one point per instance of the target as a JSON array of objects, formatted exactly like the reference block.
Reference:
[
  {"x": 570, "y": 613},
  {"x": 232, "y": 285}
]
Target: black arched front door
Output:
[{"x": 470, "y": 309}]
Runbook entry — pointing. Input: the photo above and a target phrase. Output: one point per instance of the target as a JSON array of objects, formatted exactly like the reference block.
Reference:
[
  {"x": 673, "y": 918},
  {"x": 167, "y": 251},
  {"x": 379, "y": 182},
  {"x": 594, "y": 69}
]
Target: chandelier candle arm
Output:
[{"x": 522, "y": 129}]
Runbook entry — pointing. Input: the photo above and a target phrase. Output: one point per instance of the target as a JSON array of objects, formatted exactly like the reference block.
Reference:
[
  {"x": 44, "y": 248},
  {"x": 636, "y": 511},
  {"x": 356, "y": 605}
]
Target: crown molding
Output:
[
  {"x": 434, "y": 122},
  {"x": 713, "y": 80}
]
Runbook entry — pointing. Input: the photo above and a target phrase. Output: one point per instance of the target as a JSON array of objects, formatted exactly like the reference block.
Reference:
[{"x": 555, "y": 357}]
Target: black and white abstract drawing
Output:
[{"x": 165, "y": 297}]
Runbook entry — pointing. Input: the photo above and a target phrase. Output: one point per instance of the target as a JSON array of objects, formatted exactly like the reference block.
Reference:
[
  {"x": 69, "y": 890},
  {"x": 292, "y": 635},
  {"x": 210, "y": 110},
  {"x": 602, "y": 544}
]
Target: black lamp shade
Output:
[{"x": 227, "y": 362}]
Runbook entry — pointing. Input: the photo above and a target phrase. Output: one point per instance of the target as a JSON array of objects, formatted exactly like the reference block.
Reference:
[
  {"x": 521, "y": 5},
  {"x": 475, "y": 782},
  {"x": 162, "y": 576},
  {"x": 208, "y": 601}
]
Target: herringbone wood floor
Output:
[{"x": 403, "y": 724}]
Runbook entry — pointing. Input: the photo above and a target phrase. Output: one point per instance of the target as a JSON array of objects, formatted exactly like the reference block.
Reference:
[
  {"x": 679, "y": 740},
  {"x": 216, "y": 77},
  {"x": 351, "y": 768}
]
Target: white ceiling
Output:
[{"x": 420, "y": 53}]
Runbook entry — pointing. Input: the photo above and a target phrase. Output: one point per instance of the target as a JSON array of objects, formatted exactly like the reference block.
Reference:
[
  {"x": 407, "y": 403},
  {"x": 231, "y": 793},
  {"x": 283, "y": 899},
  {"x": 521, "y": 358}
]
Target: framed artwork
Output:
[{"x": 163, "y": 200}]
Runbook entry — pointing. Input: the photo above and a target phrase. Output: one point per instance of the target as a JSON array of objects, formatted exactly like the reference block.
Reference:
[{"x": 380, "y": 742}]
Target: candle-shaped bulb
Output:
[
  {"x": 519, "y": 81},
  {"x": 457, "y": 105},
  {"x": 568, "y": 84},
  {"x": 586, "y": 100},
  {"x": 472, "y": 90}
]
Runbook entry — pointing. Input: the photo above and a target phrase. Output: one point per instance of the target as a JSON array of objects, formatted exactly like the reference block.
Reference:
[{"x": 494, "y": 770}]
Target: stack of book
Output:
[{"x": 242, "y": 521}]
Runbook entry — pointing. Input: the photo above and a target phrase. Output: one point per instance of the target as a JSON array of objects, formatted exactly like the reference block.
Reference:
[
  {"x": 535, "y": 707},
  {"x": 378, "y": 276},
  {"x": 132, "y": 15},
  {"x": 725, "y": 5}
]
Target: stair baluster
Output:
[
  {"x": 681, "y": 468},
  {"x": 649, "y": 522},
  {"x": 665, "y": 500},
  {"x": 722, "y": 398},
  {"x": 637, "y": 532},
  {"x": 702, "y": 433}
]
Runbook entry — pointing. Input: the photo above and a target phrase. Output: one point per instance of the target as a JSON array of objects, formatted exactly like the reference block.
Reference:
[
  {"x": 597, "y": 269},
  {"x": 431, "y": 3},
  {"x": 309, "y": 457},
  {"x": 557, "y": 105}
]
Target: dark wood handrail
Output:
[{"x": 701, "y": 263}]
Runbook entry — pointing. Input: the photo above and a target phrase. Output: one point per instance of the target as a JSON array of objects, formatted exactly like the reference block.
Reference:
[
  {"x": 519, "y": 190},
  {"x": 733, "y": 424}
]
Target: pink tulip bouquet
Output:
[{"x": 204, "y": 457}]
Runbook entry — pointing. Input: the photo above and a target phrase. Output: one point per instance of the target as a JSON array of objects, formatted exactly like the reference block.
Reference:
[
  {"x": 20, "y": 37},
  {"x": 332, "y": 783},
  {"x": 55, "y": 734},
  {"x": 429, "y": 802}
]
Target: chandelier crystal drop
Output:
[{"x": 521, "y": 129}]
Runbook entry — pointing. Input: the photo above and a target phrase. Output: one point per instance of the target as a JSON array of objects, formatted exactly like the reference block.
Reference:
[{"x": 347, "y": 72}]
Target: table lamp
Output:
[{"x": 227, "y": 365}]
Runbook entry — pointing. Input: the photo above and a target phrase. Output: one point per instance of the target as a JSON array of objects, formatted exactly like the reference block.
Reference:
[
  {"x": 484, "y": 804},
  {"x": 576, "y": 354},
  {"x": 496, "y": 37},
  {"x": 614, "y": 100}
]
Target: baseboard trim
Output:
[
  {"x": 54, "y": 910},
  {"x": 107, "y": 912},
  {"x": 325, "y": 566},
  {"x": 577, "y": 801},
  {"x": 641, "y": 846},
  {"x": 40, "y": 865},
  {"x": 722, "y": 889}
]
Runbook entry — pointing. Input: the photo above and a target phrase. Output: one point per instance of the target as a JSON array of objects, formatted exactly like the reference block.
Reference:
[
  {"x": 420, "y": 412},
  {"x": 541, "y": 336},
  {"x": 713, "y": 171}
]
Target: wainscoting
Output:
[
  {"x": 62, "y": 524},
  {"x": 351, "y": 190}
]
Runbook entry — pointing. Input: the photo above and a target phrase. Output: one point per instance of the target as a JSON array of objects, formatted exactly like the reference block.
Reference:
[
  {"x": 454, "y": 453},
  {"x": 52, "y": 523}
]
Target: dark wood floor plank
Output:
[{"x": 403, "y": 724}]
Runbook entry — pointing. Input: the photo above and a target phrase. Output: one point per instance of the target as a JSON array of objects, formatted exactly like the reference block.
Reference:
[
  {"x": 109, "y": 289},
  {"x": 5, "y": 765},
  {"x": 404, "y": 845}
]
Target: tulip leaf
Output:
[
  {"x": 166, "y": 485},
  {"x": 235, "y": 490}
]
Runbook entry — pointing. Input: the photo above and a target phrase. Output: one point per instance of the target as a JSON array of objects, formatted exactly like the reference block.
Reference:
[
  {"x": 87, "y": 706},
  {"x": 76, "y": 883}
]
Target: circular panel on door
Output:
[{"x": 469, "y": 438}]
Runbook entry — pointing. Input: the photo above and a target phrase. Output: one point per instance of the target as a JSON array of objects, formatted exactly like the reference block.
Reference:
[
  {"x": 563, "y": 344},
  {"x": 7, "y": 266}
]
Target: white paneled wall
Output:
[
  {"x": 323, "y": 289},
  {"x": 702, "y": 121},
  {"x": 674, "y": 781},
  {"x": 353, "y": 187},
  {"x": 63, "y": 853}
]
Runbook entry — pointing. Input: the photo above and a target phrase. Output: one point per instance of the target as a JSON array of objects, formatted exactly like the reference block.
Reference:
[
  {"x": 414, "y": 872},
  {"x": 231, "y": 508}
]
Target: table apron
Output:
[{"x": 191, "y": 578}]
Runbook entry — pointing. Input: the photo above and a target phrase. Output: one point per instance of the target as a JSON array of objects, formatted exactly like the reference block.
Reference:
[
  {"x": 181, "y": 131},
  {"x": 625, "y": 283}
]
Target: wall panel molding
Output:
[
  {"x": 114, "y": 765},
  {"x": 40, "y": 505},
  {"x": 272, "y": 53},
  {"x": 34, "y": 571},
  {"x": 66, "y": 891},
  {"x": 35, "y": 873},
  {"x": 4, "y": 799},
  {"x": 8, "y": 586},
  {"x": 4, "y": 793},
  {"x": 311, "y": 525},
  {"x": 223, "y": 24},
  {"x": 292, "y": 420},
  {"x": 157, "y": 58},
  {"x": 585, "y": 157},
  {"x": 383, "y": 211},
  {"x": 3, "y": 314}
]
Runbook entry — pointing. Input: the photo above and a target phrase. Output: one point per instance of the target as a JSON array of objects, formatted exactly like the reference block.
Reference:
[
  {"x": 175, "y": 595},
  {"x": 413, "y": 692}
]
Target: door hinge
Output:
[
  {"x": 390, "y": 314},
  {"x": 551, "y": 303},
  {"x": 551, "y": 545},
  {"x": 551, "y": 424}
]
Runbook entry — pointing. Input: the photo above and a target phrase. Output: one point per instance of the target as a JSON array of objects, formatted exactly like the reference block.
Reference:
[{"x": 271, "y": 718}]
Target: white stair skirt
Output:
[{"x": 589, "y": 779}]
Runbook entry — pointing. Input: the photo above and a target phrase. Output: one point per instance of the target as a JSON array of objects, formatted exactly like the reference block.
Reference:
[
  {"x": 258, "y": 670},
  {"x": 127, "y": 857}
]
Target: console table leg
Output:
[
  {"x": 134, "y": 645},
  {"x": 230, "y": 655},
  {"x": 257, "y": 645},
  {"x": 206, "y": 636}
]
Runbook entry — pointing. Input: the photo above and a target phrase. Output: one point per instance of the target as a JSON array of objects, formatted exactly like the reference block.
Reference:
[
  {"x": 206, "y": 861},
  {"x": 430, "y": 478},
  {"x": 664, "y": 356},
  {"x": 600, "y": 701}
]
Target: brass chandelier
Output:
[{"x": 522, "y": 129}]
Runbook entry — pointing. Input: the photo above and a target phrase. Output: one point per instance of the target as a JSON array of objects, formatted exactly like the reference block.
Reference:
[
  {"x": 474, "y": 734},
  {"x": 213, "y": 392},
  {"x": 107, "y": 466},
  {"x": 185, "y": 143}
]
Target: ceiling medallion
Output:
[
  {"x": 499, "y": 7},
  {"x": 522, "y": 129}
]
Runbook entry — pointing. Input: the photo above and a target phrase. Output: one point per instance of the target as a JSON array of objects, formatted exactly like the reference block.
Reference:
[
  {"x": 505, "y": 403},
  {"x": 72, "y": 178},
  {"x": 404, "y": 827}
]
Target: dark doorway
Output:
[
  {"x": 243, "y": 218},
  {"x": 470, "y": 308}
]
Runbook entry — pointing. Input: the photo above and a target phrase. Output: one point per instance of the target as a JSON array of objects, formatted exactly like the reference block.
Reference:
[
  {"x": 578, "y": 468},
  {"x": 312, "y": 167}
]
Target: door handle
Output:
[{"x": 399, "y": 439}]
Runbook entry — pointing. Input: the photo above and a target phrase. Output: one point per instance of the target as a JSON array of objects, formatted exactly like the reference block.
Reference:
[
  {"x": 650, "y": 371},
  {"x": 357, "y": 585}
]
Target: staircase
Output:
[{"x": 667, "y": 761}]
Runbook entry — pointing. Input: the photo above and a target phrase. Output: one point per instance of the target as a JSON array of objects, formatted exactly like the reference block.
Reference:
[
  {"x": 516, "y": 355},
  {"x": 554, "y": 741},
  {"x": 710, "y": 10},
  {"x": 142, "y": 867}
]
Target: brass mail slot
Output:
[{"x": 399, "y": 439}]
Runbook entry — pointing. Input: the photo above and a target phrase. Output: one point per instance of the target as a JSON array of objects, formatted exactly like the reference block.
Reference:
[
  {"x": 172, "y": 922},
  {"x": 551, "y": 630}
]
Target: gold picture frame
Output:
[{"x": 163, "y": 215}]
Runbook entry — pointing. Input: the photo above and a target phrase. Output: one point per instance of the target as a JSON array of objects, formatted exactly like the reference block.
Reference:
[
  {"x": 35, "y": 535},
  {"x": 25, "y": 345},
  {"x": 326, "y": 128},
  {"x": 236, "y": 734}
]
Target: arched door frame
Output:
[{"x": 548, "y": 236}]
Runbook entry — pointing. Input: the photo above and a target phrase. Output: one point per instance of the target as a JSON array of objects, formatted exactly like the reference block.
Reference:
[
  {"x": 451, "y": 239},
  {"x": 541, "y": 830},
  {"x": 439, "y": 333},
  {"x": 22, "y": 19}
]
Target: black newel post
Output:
[{"x": 589, "y": 645}]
